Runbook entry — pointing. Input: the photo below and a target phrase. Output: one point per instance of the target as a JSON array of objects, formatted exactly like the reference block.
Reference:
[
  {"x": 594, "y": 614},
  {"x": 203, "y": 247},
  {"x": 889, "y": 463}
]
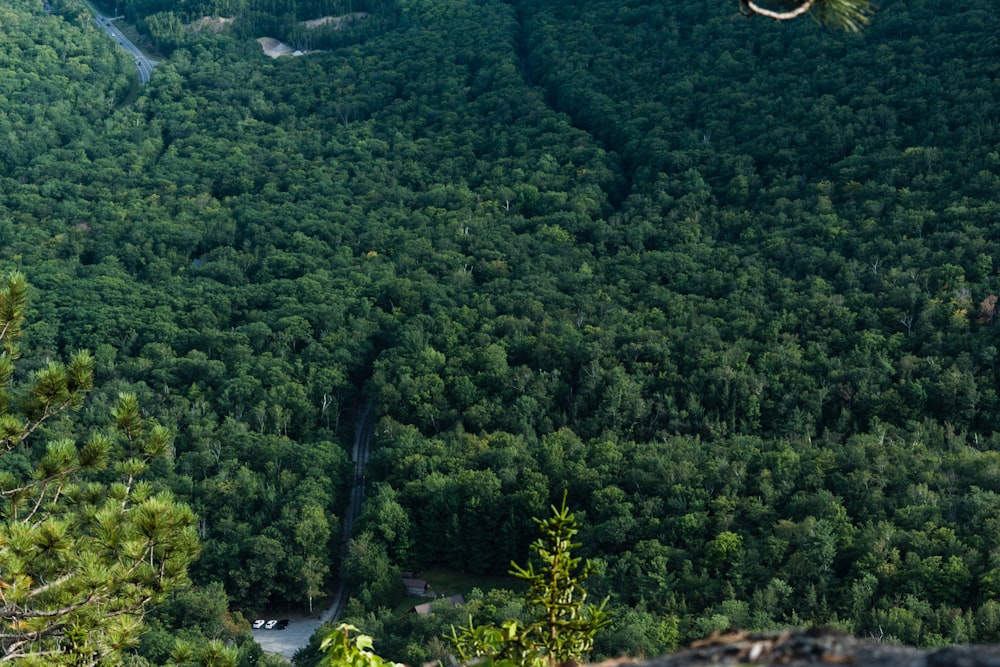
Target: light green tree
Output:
[
  {"x": 212, "y": 653},
  {"x": 343, "y": 650},
  {"x": 562, "y": 625},
  {"x": 85, "y": 545},
  {"x": 314, "y": 571}
]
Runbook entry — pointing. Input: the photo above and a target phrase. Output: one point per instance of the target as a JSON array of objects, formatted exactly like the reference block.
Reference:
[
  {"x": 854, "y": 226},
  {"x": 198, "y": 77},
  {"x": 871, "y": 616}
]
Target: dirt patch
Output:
[
  {"x": 212, "y": 23},
  {"x": 275, "y": 48}
]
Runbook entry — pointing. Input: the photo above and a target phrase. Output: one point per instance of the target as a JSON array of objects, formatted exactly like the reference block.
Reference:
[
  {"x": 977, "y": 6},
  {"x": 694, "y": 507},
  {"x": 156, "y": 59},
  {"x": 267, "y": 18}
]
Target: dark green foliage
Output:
[{"x": 732, "y": 283}]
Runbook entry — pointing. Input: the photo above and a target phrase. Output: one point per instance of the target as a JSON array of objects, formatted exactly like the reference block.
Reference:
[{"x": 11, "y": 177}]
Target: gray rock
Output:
[{"x": 811, "y": 647}]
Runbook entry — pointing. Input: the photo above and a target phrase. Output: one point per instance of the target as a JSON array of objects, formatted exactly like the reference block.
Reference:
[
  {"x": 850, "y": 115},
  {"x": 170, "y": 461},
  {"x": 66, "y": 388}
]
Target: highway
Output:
[{"x": 142, "y": 64}]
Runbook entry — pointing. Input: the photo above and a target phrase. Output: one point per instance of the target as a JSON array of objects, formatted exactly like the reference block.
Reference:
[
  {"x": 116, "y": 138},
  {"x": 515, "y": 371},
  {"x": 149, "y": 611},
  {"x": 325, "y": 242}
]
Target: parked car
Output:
[
  {"x": 270, "y": 624},
  {"x": 258, "y": 624},
  {"x": 282, "y": 624}
]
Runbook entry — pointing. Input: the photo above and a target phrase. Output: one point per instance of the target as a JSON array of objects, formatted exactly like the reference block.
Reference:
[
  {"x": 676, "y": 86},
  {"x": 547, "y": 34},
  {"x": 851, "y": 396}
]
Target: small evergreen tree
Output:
[
  {"x": 560, "y": 633},
  {"x": 562, "y": 626}
]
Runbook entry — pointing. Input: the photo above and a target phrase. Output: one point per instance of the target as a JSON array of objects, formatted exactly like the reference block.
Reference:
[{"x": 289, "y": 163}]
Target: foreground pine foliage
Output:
[{"x": 85, "y": 545}]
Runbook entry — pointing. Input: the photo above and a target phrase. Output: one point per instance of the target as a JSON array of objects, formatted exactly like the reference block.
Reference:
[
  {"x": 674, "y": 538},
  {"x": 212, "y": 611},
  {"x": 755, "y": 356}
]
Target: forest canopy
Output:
[{"x": 731, "y": 283}]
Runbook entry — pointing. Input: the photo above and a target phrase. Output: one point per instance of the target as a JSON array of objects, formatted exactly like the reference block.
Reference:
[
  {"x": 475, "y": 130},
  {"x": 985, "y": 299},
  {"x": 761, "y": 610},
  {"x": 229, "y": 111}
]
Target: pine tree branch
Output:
[
  {"x": 46, "y": 415},
  {"x": 92, "y": 564},
  {"x": 47, "y": 587}
]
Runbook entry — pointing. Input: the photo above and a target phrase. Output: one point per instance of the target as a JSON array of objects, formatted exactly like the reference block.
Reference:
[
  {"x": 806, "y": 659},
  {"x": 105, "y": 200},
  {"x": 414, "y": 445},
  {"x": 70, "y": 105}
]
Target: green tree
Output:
[
  {"x": 314, "y": 570},
  {"x": 343, "y": 650},
  {"x": 86, "y": 546},
  {"x": 368, "y": 568},
  {"x": 563, "y": 625}
]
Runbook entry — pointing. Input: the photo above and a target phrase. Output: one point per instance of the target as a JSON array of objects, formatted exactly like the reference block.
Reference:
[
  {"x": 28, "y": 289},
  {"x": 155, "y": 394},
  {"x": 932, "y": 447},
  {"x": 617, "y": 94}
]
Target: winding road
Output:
[{"x": 142, "y": 64}]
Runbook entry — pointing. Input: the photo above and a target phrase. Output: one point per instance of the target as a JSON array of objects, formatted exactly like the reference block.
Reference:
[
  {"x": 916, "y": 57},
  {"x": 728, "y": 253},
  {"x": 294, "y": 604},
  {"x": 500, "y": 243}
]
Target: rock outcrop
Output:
[{"x": 811, "y": 647}]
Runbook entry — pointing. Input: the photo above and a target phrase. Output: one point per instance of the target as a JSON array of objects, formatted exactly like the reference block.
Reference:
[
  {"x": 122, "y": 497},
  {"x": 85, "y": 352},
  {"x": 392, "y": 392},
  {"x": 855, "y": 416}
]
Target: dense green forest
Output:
[{"x": 729, "y": 282}]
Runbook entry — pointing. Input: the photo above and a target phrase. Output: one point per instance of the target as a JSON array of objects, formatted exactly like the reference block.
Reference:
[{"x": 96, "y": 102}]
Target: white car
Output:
[
  {"x": 258, "y": 624},
  {"x": 270, "y": 624}
]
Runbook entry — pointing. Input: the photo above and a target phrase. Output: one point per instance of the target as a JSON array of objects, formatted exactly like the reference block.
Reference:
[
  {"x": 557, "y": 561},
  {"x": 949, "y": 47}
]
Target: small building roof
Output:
[{"x": 425, "y": 608}]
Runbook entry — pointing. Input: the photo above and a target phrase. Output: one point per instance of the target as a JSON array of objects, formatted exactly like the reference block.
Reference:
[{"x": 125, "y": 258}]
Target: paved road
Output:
[
  {"x": 286, "y": 642},
  {"x": 300, "y": 629},
  {"x": 142, "y": 64}
]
